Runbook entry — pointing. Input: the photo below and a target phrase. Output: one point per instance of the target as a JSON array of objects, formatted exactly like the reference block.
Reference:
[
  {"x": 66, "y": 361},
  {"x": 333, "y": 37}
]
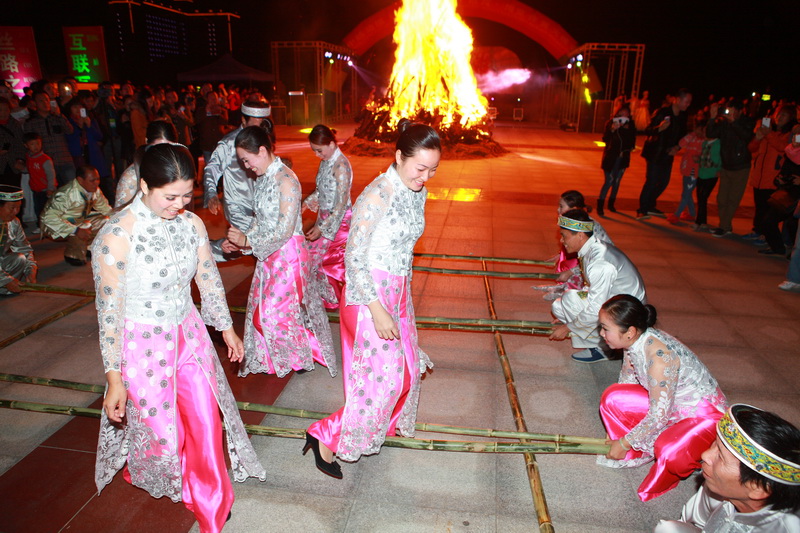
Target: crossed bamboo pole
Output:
[
  {"x": 487, "y": 259},
  {"x": 478, "y": 325},
  {"x": 47, "y": 320},
  {"x": 547, "y": 443},
  {"x": 531, "y": 466}
]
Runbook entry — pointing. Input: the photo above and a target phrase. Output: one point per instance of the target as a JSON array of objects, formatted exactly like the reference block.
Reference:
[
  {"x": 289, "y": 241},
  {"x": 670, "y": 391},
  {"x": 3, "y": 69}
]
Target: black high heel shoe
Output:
[{"x": 332, "y": 469}]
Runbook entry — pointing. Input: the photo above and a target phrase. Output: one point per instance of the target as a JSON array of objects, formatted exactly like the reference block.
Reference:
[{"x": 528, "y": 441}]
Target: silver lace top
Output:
[
  {"x": 676, "y": 380},
  {"x": 143, "y": 266},
  {"x": 332, "y": 195},
  {"x": 276, "y": 203},
  {"x": 388, "y": 218}
]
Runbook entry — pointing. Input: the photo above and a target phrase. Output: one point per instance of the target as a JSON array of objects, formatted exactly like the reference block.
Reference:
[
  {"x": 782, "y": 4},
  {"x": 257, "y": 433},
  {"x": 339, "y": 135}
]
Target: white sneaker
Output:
[{"x": 790, "y": 286}]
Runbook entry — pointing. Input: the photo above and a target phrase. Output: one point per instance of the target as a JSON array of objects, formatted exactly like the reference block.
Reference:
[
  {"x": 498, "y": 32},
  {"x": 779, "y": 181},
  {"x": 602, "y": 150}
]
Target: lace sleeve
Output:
[
  {"x": 627, "y": 374},
  {"x": 109, "y": 259},
  {"x": 214, "y": 307},
  {"x": 343, "y": 176},
  {"x": 370, "y": 208},
  {"x": 312, "y": 201},
  {"x": 265, "y": 242},
  {"x": 127, "y": 187},
  {"x": 662, "y": 380}
]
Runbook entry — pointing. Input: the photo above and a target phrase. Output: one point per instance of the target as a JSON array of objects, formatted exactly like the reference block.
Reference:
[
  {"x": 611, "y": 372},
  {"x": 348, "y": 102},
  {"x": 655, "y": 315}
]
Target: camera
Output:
[{"x": 621, "y": 120}]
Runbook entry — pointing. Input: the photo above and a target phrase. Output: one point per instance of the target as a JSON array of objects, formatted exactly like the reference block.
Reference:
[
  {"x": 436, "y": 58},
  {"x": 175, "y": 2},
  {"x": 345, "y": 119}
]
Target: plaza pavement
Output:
[{"x": 716, "y": 294}]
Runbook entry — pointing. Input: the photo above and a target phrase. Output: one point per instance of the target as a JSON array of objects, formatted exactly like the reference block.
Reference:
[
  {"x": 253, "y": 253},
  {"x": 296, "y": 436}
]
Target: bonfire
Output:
[{"x": 432, "y": 82}]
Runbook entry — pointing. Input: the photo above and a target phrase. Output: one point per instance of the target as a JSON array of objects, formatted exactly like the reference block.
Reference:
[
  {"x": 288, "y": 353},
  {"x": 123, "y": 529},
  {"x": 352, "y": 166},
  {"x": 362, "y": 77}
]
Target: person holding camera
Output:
[
  {"x": 767, "y": 148},
  {"x": 666, "y": 129},
  {"x": 735, "y": 131},
  {"x": 620, "y": 139},
  {"x": 783, "y": 201}
]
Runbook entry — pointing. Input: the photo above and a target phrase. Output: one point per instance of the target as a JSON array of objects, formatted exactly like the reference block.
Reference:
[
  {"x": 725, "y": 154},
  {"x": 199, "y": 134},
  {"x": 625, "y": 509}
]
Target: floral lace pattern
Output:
[
  {"x": 127, "y": 187},
  {"x": 676, "y": 380},
  {"x": 388, "y": 218},
  {"x": 276, "y": 202},
  {"x": 331, "y": 198},
  {"x": 284, "y": 310},
  {"x": 143, "y": 266}
]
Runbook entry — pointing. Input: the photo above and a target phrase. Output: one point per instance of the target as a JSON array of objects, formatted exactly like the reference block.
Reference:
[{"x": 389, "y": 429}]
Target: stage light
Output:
[
  {"x": 349, "y": 63},
  {"x": 578, "y": 63},
  {"x": 585, "y": 78},
  {"x": 519, "y": 99},
  {"x": 766, "y": 97},
  {"x": 330, "y": 61},
  {"x": 580, "y": 57},
  {"x": 569, "y": 66}
]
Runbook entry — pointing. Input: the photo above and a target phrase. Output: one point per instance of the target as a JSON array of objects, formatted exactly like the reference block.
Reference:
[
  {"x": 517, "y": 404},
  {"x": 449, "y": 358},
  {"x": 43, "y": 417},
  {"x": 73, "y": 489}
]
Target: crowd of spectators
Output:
[
  {"x": 104, "y": 127},
  {"x": 726, "y": 144}
]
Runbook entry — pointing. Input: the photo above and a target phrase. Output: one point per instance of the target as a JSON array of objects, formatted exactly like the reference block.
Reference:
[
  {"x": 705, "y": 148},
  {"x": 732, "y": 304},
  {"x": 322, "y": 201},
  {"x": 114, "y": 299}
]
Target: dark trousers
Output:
[
  {"x": 613, "y": 178},
  {"x": 770, "y": 227},
  {"x": 760, "y": 197},
  {"x": 39, "y": 199},
  {"x": 704, "y": 189},
  {"x": 655, "y": 183}
]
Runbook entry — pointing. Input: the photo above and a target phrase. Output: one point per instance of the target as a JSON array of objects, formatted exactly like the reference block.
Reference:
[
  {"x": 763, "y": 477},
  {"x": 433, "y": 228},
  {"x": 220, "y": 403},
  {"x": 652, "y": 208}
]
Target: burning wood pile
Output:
[{"x": 433, "y": 83}]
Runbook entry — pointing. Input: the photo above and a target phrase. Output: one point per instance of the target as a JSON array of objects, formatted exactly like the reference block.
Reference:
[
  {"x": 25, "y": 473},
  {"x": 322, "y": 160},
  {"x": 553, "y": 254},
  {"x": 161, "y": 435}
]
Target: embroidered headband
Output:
[
  {"x": 257, "y": 112},
  {"x": 753, "y": 454},
  {"x": 10, "y": 193},
  {"x": 576, "y": 225}
]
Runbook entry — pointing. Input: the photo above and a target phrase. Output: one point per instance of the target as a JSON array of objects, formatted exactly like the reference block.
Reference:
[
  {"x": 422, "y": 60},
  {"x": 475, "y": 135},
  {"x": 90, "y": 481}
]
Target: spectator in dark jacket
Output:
[
  {"x": 620, "y": 139},
  {"x": 734, "y": 131},
  {"x": 667, "y": 128}
]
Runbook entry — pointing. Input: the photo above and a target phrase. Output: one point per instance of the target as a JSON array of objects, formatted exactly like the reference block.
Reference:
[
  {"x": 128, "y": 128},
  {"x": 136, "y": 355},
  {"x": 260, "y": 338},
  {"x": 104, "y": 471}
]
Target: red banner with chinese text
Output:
[
  {"x": 86, "y": 53},
  {"x": 19, "y": 62}
]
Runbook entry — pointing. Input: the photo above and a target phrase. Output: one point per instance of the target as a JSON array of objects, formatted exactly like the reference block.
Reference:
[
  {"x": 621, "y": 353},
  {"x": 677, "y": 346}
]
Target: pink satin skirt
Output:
[
  {"x": 327, "y": 262},
  {"x": 378, "y": 374},
  {"x": 677, "y": 450},
  {"x": 174, "y": 419},
  {"x": 278, "y": 338}
]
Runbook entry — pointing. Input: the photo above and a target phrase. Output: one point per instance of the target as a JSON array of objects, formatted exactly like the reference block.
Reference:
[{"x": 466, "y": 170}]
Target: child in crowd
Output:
[
  {"x": 692, "y": 146},
  {"x": 707, "y": 177},
  {"x": 42, "y": 173},
  {"x": 567, "y": 264}
]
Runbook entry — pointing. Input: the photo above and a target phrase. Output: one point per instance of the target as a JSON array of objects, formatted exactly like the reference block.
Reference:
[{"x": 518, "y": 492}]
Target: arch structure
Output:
[{"x": 510, "y": 13}]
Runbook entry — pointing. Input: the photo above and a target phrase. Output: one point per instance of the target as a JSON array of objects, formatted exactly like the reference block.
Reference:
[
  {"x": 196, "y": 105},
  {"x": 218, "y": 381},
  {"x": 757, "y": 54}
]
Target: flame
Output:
[{"x": 432, "y": 75}]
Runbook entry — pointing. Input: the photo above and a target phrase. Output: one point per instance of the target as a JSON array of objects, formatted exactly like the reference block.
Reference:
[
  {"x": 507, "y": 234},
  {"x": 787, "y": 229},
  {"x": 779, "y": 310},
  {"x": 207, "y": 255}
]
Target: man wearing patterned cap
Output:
[
  {"x": 752, "y": 478},
  {"x": 606, "y": 272},
  {"x": 17, "y": 263},
  {"x": 237, "y": 185}
]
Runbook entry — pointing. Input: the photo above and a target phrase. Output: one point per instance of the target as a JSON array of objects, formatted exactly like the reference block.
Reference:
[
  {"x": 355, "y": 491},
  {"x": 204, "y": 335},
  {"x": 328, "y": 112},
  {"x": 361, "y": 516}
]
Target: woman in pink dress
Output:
[
  {"x": 164, "y": 377},
  {"x": 381, "y": 359},
  {"x": 666, "y": 404},
  {"x": 331, "y": 201},
  {"x": 286, "y": 327}
]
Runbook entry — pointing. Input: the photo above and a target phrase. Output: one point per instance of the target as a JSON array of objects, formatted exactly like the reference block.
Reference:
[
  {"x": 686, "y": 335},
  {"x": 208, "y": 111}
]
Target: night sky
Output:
[{"x": 708, "y": 46}]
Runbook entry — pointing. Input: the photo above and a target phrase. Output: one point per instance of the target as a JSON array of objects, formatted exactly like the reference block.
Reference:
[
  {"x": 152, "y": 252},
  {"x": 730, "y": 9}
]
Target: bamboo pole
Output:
[
  {"x": 52, "y": 289},
  {"x": 45, "y": 321},
  {"x": 396, "y": 442},
  {"x": 509, "y": 260},
  {"x": 490, "y": 273},
  {"x": 315, "y": 415},
  {"x": 531, "y": 466},
  {"x": 477, "y": 325}
]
